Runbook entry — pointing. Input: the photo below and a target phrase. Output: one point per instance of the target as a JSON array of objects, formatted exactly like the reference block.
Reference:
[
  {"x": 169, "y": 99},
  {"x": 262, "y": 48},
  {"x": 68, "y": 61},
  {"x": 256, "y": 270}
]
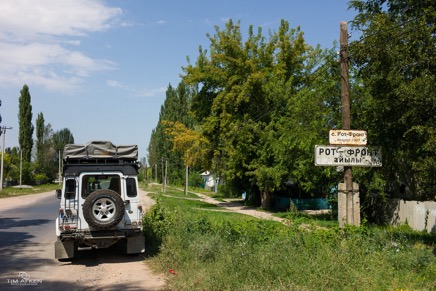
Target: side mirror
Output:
[{"x": 58, "y": 193}]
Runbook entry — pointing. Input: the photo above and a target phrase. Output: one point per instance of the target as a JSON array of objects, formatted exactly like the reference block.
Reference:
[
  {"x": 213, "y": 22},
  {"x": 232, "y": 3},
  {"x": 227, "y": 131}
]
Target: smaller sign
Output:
[{"x": 347, "y": 137}]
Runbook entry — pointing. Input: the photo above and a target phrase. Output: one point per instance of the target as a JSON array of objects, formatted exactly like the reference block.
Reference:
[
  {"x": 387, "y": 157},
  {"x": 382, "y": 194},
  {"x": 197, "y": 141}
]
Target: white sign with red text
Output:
[{"x": 347, "y": 137}]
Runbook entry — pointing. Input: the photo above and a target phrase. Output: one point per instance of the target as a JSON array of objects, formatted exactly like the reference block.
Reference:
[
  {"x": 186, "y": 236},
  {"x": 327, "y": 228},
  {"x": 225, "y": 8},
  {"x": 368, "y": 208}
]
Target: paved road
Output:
[{"x": 27, "y": 236}]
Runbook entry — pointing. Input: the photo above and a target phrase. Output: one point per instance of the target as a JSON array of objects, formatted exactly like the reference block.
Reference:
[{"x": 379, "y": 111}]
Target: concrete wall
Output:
[{"x": 419, "y": 215}]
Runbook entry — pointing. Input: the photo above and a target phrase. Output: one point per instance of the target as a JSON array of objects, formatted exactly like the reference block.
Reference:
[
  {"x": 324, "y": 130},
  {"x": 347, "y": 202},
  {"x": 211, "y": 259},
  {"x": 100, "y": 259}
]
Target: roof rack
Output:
[{"x": 100, "y": 152}]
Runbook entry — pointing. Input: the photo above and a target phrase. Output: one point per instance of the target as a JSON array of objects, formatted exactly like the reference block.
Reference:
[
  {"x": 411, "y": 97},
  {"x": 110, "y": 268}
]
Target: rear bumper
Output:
[
  {"x": 100, "y": 239},
  {"x": 100, "y": 234}
]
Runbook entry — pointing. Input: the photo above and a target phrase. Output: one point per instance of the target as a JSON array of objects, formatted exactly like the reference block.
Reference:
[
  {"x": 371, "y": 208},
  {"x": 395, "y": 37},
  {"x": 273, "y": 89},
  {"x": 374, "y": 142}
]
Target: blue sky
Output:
[{"x": 101, "y": 68}]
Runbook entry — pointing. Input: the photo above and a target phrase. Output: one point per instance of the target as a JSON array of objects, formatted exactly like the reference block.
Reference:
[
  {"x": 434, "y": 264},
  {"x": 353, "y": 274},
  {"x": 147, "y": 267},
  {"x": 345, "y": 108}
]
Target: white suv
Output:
[{"x": 100, "y": 203}]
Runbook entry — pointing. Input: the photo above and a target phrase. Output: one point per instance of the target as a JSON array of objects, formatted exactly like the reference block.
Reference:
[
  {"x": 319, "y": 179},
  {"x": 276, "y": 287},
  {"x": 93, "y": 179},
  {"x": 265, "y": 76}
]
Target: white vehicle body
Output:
[{"x": 99, "y": 199}]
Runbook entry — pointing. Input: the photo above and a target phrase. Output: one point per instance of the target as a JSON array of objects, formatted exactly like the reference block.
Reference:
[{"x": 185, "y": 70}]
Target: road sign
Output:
[
  {"x": 334, "y": 155},
  {"x": 347, "y": 137}
]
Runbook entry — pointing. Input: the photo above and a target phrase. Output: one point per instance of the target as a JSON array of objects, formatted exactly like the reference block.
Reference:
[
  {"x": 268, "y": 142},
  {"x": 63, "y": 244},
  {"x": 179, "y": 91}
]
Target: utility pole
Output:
[
  {"x": 3, "y": 133},
  {"x": 21, "y": 166},
  {"x": 163, "y": 175},
  {"x": 166, "y": 173},
  {"x": 346, "y": 116},
  {"x": 186, "y": 179}
]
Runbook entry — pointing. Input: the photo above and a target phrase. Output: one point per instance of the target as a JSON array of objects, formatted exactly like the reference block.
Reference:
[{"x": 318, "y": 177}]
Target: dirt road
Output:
[{"x": 30, "y": 259}]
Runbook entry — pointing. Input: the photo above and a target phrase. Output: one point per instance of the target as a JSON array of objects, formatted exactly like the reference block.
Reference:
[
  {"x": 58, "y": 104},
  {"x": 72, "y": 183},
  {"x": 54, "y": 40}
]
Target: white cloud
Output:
[
  {"x": 113, "y": 84},
  {"x": 36, "y": 39},
  {"x": 53, "y": 17},
  {"x": 138, "y": 93},
  {"x": 152, "y": 92},
  {"x": 72, "y": 42}
]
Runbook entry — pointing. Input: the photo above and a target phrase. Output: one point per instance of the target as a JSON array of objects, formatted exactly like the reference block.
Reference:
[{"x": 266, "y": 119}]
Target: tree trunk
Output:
[{"x": 265, "y": 197}]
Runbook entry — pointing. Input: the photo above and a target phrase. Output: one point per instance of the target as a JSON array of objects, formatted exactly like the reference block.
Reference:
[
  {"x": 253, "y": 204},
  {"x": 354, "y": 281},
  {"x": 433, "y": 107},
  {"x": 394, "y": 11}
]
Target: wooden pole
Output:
[
  {"x": 186, "y": 179},
  {"x": 346, "y": 116},
  {"x": 163, "y": 175}
]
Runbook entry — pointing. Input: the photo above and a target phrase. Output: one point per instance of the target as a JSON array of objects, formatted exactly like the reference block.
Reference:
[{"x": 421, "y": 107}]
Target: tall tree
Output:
[
  {"x": 396, "y": 58},
  {"x": 176, "y": 108},
  {"x": 190, "y": 143},
  {"x": 25, "y": 135},
  {"x": 60, "y": 138},
  {"x": 58, "y": 141},
  {"x": 252, "y": 99},
  {"x": 40, "y": 129}
]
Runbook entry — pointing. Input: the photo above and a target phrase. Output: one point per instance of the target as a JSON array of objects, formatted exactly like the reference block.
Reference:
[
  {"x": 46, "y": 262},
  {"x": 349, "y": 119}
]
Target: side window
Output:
[
  {"x": 70, "y": 189},
  {"x": 131, "y": 187}
]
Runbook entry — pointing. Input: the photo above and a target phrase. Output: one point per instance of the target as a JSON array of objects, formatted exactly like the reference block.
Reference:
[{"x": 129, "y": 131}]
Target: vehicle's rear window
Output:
[{"x": 91, "y": 183}]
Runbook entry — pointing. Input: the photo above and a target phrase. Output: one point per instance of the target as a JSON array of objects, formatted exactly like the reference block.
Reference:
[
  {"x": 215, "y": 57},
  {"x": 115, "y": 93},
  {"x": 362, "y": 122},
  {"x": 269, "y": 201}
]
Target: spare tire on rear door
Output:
[{"x": 103, "y": 209}]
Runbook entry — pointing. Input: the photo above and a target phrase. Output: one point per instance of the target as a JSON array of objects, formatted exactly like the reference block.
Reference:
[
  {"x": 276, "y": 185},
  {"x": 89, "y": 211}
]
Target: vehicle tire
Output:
[{"x": 103, "y": 209}]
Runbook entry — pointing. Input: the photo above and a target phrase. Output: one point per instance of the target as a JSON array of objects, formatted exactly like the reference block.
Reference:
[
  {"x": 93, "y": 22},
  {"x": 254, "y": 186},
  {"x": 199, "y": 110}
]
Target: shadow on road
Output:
[
  {"x": 11, "y": 222},
  {"x": 113, "y": 255}
]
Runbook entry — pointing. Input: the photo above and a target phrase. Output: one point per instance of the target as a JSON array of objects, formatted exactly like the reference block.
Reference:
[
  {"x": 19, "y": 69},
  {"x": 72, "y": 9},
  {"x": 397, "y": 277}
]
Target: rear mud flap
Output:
[
  {"x": 136, "y": 244},
  {"x": 64, "y": 250}
]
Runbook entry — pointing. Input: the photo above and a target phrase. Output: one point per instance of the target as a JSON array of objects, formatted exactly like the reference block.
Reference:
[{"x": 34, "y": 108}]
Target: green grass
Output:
[
  {"x": 171, "y": 190},
  {"x": 322, "y": 220},
  {"x": 15, "y": 191},
  {"x": 212, "y": 250}
]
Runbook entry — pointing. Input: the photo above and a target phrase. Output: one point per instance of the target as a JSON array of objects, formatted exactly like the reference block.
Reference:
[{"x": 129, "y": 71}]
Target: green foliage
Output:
[
  {"x": 60, "y": 138},
  {"x": 195, "y": 180},
  {"x": 40, "y": 178},
  {"x": 11, "y": 165},
  {"x": 156, "y": 224},
  {"x": 40, "y": 126},
  {"x": 264, "y": 102},
  {"x": 48, "y": 144},
  {"x": 395, "y": 58},
  {"x": 263, "y": 105},
  {"x": 187, "y": 141},
  {"x": 227, "y": 251},
  {"x": 25, "y": 134},
  {"x": 175, "y": 109}
]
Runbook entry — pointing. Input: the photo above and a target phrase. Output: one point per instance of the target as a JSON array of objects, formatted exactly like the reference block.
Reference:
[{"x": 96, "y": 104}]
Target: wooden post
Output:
[
  {"x": 346, "y": 116},
  {"x": 163, "y": 175},
  {"x": 166, "y": 173},
  {"x": 186, "y": 179}
]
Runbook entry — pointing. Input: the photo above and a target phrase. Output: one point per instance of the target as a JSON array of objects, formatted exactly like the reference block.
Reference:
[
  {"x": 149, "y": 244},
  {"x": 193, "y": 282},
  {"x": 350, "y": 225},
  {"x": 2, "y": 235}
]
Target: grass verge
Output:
[
  {"x": 25, "y": 190},
  {"x": 212, "y": 250}
]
